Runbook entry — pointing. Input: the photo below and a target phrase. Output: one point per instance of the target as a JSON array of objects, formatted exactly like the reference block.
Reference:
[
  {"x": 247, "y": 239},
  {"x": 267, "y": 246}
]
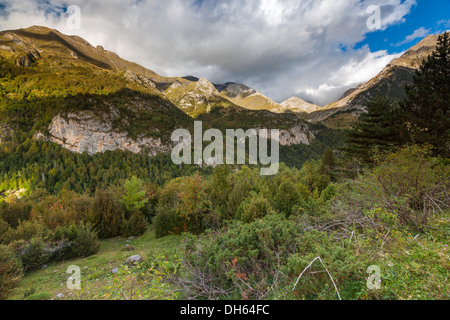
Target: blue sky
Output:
[
  {"x": 312, "y": 49},
  {"x": 431, "y": 16}
]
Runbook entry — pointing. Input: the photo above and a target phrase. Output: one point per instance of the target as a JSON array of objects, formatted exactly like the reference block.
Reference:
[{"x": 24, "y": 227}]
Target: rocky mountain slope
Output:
[
  {"x": 246, "y": 97},
  {"x": 61, "y": 89},
  {"x": 299, "y": 106},
  {"x": 196, "y": 97},
  {"x": 389, "y": 82}
]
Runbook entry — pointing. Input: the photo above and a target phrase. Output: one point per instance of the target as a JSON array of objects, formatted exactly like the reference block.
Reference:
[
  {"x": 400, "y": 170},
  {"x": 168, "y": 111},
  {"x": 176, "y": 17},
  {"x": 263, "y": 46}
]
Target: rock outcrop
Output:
[
  {"x": 298, "y": 105},
  {"x": 85, "y": 131}
]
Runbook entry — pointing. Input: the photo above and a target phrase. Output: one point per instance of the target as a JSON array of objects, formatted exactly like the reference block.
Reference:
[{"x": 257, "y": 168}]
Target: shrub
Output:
[
  {"x": 194, "y": 204},
  {"x": 3, "y": 231},
  {"x": 11, "y": 270},
  {"x": 135, "y": 226},
  {"x": 134, "y": 197},
  {"x": 14, "y": 212},
  {"x": 107, "y": 214},
  {"x": 226, "y": 263},
  {"x": 33, "y": 255},
  {"x": 286, "y": 197},
  {"x": 166, "y": 221},
  {"x": 409, "y": 183},
  {"x": 86, "y": 243},
  {"x": 254, "y": 207}
]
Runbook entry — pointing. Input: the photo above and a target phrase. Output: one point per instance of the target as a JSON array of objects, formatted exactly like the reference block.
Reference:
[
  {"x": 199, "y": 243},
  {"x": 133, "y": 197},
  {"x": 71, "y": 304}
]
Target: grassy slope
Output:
[
  {"x": 95, "y": 270},
  {"x": 418, "y": 269}
]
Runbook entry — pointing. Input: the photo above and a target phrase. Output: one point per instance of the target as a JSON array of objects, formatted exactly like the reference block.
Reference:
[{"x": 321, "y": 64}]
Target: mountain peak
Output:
[{"x": 297, "y": 105}]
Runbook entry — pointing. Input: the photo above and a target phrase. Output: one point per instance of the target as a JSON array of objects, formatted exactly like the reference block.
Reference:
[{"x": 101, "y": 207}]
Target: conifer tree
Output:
[
  {"x": 379, "y": 128},
  {"x": 426, "y": 109}
]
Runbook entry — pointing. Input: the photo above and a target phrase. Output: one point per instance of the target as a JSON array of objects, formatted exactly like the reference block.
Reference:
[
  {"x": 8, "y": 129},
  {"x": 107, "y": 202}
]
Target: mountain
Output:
[
  {"x": 196, "y": 97},
  {"x": 389, "y": 82},
  {"x": 248, "y": 98},
  {"x": 61, "y": 89},
  {"x": 300, "y": 106}
]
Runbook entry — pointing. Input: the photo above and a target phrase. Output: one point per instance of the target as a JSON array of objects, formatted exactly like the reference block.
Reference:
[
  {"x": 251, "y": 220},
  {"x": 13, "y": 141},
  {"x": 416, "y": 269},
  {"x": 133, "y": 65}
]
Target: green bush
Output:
[
  {"x": 242, "y": 255},
  {"x": 107, "y": 214},
  {"x": 409, "y": 184},
  {"x": 254, "y": 207},
  {"x": 166, "y": 221},
  {"x": 14, "y": 212},
  {"x": 11, "y": 270},
  {"x": 135, "y": 226},
  {"x": 86, "y": 243},
  {"x": 34, "y": 255}
]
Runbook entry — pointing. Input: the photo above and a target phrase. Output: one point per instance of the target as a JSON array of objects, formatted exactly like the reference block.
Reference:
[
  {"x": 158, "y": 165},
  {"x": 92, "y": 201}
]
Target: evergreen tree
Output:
[
  {"x": 379, "y": 128},
  {"x": 134, "y": 197},
  {"x": 426, "y": 109},
  {"x": 328, "y": 163}
]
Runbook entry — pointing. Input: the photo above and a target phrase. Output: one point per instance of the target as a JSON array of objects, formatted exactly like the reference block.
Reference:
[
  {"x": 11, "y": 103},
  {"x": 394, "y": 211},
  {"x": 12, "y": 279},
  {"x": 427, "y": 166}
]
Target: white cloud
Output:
[
  {"x": 280, "y": 47},
  {"x": 419, "y": 33}
]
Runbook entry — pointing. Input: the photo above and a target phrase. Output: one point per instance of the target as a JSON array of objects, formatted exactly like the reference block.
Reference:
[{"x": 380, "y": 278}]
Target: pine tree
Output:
[
  {"x": 328, "y": 163},
  {"x": 426, "y": 109},
  {"x": 378, "y": 128}
]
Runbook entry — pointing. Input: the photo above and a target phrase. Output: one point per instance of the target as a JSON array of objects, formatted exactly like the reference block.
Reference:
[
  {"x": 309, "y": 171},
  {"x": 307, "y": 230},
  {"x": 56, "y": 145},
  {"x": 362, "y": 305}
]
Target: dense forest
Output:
[{"x": 379, "y": 196}]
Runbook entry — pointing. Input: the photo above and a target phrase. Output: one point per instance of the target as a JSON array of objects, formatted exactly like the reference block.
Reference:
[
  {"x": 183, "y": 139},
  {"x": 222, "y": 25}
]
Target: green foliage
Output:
[
  {"x": 194, "y": 204},
  {"x": 33, "y": 255},
  {"x": 134, "y": 197},
  {"x": 107, "y": 214},
  {"x": 15, "y": 212},
  {"x": 135, "y": 226},
  {"x": 255, "y": 206},
  {"x": 378, "y": 128},
  {"x": 11, "y": 270},
  {"x": 39, "y": 296},
  {"x": 426, "y": 110},
  {"x": 409, "y": 184},
  {"x": 238, "y": 255},
  {"x": 167, "y": 221},
  {"x": 86, "y": 243}
]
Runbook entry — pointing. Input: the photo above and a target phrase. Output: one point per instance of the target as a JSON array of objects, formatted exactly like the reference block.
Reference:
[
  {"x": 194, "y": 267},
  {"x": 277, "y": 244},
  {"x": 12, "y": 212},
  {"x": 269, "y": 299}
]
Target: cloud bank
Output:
[{"x": 279, "y": 47}]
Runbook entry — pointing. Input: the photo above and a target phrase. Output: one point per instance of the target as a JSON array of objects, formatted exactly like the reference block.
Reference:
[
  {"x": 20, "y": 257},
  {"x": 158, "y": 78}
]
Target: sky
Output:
[{"x": 313, "y": 49}]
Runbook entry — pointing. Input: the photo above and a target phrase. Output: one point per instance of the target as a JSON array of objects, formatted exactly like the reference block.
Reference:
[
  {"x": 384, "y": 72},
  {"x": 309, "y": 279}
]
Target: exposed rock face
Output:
[
  {"x": 299, "y": 134},
  {"x": 195, "y": 98},
  {"x": 298, "y": 105},
  {"x": 200, "y": 95},
  {"x": 246, "y": 97},
  {"x": 87, "y": 132},
  {"x": 140, "y": 79},
  {"x": 28, "y": 59}
]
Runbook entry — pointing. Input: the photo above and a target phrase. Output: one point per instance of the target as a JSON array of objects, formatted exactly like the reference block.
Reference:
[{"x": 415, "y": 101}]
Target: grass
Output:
[{"x": 96, "y": 270}]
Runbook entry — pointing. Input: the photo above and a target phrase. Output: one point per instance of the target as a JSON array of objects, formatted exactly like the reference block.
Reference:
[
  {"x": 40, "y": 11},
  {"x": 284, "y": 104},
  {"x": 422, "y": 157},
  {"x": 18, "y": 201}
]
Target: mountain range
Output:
[{"x": 88, "y": 99}]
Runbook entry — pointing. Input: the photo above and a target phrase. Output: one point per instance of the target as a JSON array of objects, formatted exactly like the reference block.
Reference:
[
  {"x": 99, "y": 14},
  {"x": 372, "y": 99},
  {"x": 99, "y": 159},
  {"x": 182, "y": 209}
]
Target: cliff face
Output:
[
  {"x": 299, "y": 134},
  {"x": 85, "y": 132}
]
